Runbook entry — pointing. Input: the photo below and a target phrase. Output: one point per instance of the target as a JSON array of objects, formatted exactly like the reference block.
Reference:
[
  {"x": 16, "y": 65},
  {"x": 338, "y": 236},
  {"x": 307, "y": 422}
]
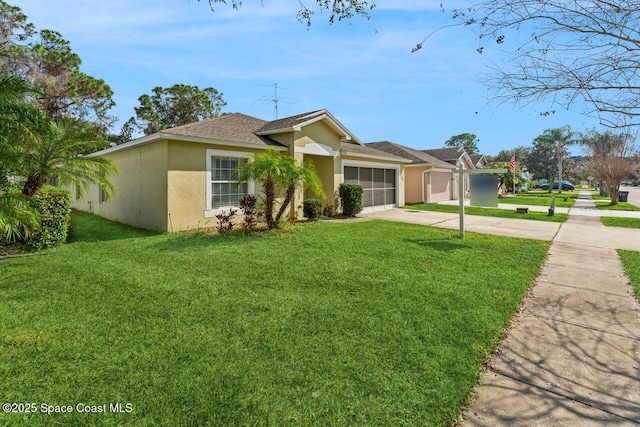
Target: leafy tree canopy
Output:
[
  {"x": 542, "y": 161},
  {"x": 45, "y": 59},
  {"x": 468, "y": 141},
  {"x": 175, "y": 106}
]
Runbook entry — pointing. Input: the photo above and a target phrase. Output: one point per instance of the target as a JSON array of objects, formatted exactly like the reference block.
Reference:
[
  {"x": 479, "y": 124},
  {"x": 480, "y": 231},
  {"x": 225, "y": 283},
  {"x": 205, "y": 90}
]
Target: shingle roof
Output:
[
  {"x": 349, "y": 147},
  {"x": 446, "y": 154},
  {"x": 475, "y": 158},
  {"x": 232, "y": 127},
  {"x": 289, "y": 122},
  {"x": 416, "y": 156}
]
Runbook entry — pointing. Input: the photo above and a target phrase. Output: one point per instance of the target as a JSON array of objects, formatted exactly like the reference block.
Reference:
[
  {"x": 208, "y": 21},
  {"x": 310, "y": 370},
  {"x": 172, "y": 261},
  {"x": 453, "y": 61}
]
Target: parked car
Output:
[{"x": 566, "y": 186}]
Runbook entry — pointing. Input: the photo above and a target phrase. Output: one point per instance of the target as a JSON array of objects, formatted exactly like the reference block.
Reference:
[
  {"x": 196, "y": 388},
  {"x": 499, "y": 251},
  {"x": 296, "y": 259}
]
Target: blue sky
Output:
[{"x": 363, "y": 72}]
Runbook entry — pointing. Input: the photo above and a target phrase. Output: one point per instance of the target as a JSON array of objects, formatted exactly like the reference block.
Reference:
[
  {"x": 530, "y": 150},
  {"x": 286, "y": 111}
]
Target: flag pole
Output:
[{"x": 514, "y": 173}]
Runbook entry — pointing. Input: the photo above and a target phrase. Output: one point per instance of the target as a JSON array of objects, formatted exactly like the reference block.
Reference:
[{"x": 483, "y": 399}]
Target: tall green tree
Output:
[
  {"x": 45, "y": 59},
  {"x": 520, "y": 152},
  {"x": 542, "y": 162},
  {"x": 278, "y": 174},
  {"x": 177, "y": 105},
  {"x": 468, "y": 141}
]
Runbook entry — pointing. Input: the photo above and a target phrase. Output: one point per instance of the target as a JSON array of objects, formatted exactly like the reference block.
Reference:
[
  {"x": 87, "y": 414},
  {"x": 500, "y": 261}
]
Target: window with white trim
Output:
[{"x": 225, "y": 190}]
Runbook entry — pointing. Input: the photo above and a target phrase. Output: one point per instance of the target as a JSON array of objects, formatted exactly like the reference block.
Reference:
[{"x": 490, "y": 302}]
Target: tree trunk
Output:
[
  {"x": 287, "y": 201},
  {"x": 269, "y": 193},
  {"x": 33, "y": 184}
]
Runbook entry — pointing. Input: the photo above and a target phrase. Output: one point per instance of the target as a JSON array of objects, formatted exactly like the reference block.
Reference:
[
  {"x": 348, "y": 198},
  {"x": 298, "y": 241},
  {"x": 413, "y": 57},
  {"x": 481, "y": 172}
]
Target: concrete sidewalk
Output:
[
  {"x": 572, "y": 357},
  {"x": 572, "y": 354}
]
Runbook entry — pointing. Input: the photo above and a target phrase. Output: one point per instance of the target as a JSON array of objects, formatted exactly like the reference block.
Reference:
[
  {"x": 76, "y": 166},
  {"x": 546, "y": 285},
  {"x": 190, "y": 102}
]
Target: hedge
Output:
[
  {"x": 53, "y": 204},
  {"x": 351, "y": 199},
  {"x": 312, "y": 209}
]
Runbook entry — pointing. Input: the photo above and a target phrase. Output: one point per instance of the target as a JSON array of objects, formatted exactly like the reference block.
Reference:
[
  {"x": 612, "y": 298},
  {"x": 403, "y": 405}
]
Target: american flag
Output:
[{"x": 512, "y": 164}]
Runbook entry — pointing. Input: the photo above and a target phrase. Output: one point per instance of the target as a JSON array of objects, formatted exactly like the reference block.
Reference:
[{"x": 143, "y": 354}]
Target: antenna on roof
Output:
[{"x": 275, "y": 99}]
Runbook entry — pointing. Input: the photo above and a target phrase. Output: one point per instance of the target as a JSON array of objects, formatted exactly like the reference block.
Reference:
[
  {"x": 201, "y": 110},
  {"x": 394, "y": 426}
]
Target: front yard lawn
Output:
[
  {"x": 537, "y": 201},
  {"x": 621, "y": 206},
  {"x": 500, "y": 213},
  {"x": 363, "y": 323},
  {"x": 631, "y": 263},
  {"x": 613, "y": 221}
]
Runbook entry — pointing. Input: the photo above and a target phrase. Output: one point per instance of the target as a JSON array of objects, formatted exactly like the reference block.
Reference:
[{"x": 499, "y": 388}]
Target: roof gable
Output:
[{"x": 297, "y": 122}]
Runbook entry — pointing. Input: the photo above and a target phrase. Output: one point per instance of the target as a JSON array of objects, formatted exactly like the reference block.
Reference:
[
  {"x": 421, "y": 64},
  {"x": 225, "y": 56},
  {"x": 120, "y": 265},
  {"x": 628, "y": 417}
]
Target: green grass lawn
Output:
[
  {"x": 621, "y": 206},
  {"x": 613, "y": 221},
  {"x": 501, "y": 213},
  {"x": 355, "y": 323},
  {"x": 545, "y": 194},
  {"x": 537, "y": 201},
  {"x": 631, "y": 263}
]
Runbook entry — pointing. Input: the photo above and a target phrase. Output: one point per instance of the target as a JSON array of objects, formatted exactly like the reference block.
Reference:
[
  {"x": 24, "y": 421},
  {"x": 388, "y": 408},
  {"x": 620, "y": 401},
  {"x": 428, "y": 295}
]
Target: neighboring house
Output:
[
  {"x": 182, "y": 177},
  {"x": 455, "y": 156},
  {"x": 426, "y": 179},
  {"x": 479, "y": 160}
]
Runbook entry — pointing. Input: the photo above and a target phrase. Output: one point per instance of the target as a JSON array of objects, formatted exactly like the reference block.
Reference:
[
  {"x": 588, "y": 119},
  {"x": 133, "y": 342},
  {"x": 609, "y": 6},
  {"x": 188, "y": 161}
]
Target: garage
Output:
[
  {"x": 379, "y": 186},
  {"x": 440, "y": 188}
]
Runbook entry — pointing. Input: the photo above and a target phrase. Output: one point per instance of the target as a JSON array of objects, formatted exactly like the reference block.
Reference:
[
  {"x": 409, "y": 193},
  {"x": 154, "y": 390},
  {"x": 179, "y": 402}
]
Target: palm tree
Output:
[
  {"x": 295, "y": 175},
  {"x": 276, "y": 173},
  {"x": 56, "y": 152},
  {"x": 560, "y": 138},
  {"x": 265, "y": 168},
  {"x": 18, "y": 220}
]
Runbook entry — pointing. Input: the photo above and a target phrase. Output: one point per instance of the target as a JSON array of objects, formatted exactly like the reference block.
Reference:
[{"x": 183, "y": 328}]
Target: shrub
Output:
[
  {"x": 312, "y": 209},
  {"x": 53, "y": 204},
  {"x": 248, "y": 208},
  {"x": 351, "y": 199},
  {"x": 225, "y": 221}
]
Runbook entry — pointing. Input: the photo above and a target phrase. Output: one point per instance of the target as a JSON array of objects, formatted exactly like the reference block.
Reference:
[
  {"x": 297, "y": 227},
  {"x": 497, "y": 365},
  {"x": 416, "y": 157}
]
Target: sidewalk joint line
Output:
[
  {"x": 581, "y": 325},
  {"x": 574, "y": 399}
]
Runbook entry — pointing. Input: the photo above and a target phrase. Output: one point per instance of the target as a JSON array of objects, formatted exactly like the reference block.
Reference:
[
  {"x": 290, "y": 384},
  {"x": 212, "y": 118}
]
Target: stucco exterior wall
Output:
[
  {"x": 413, "y": 186},
  {"x": 187, "y": 183},
  {"x": 140, "y": 198}
]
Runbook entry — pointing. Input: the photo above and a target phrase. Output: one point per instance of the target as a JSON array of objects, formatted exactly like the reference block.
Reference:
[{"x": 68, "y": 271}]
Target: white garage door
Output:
[
  {"x": 378, "y": 186},
  {"x": 440, "y": 187}
]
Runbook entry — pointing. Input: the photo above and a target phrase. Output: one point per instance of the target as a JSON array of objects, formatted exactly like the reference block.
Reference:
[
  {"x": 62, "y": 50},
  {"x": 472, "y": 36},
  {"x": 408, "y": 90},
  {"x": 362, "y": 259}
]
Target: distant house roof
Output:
[
  {"x": 478, "y": 159},
  {"x": 446, "y": 154},
  {"x": 351, "y": 148},
  {"x": 416, "y": 156}
]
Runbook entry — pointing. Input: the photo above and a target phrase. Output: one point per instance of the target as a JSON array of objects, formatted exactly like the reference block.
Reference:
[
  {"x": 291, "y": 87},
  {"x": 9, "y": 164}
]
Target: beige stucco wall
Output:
[
  {"x": 413, "y": 185},
  {"x": 140, "y": 197},
  {"x": 187, "y": 183}
]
